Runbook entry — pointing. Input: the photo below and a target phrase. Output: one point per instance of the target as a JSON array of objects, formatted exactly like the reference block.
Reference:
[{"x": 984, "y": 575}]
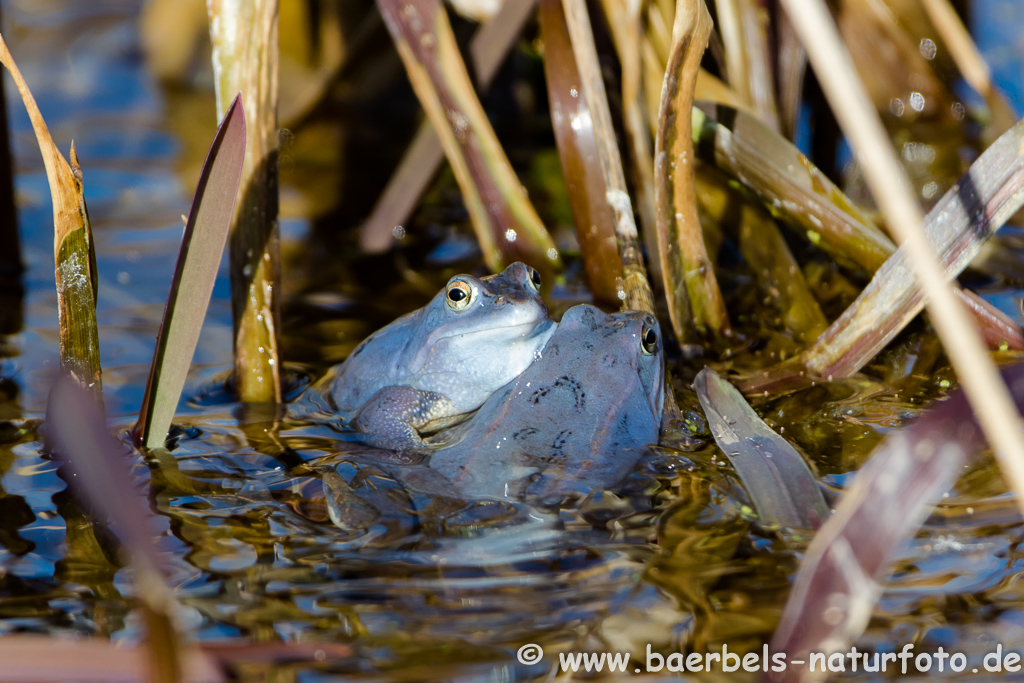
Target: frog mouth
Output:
[{"x": 536, "y": 325}]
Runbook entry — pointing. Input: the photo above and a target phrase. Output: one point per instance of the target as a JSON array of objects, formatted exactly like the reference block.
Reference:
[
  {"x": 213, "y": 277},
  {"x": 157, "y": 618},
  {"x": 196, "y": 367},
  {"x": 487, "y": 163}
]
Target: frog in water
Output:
[
  {"x": 432, "y": 367},
  {"x": 577, "y": 419}
]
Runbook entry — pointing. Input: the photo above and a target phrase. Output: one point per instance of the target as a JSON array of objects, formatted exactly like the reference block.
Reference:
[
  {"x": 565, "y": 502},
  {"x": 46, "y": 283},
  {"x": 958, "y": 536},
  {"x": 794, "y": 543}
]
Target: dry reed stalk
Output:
[
  {"x": 859, "y": 120},
  {"x": 636, "y": 290},
  {"x": 624, "y": 20},
  {"x": 576, "y": 139},
  {"x": 505, "y": 221},
  {"x": 245, "y": 59},
  {"x": 690, "y": 284},
  {"x": 744, "y": 25},
  {"x": 971, "y": 64},
  {"x": 73, "y": 250},
  {"x": 424, "y": 155}
]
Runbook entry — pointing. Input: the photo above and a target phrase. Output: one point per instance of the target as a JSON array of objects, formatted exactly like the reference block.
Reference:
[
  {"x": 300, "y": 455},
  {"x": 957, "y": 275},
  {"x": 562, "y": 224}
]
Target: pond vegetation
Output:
[{"x": 820, "y": 482}]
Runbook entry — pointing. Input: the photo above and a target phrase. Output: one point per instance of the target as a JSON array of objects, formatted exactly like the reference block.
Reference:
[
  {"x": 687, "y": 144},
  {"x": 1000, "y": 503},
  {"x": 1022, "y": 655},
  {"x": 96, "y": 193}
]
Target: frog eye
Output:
[
  {"x": 649, "y": 339},
  {"x": 534, "y": 279},
  {"x": 459, "y": 295}
]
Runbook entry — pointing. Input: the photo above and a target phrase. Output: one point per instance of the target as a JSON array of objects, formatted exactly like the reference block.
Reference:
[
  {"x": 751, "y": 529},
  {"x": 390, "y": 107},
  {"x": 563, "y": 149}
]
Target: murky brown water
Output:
[{"x": 431, "y": 592}]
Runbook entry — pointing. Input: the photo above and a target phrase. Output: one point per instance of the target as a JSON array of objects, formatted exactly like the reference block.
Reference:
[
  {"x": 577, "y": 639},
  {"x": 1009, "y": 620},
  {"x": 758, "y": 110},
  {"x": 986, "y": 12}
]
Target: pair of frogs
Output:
[{"x": 560, "y": 409}]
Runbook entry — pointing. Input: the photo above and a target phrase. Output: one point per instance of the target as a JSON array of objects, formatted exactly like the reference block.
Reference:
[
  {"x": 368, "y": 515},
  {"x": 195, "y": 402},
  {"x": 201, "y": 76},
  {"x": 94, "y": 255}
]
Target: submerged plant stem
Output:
[
  {"x": 860, "y": 122},
  {"x": 245, "y": 57}
]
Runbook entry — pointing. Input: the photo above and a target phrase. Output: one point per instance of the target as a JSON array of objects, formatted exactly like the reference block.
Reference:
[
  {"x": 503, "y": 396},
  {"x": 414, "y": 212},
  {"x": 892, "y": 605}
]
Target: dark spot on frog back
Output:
[
  {"x": 559, "y": 442},
  {"x": 565, "y": 382},
  {"x": 524, "y": 433},
  {"x": 362, "y": 346}
]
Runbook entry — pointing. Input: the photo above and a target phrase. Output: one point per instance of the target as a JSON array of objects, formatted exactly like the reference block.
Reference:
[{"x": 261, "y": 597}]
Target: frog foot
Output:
[{"x": 392, "y": 418}]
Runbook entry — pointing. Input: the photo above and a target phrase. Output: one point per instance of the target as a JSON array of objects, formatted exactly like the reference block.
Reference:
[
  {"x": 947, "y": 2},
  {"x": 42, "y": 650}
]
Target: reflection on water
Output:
[{"x": 433, "y": 588}]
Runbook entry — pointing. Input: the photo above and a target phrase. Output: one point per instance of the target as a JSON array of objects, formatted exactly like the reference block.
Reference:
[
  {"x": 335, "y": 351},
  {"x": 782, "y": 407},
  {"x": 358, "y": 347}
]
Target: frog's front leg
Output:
[{"x": 393, "y": 417}]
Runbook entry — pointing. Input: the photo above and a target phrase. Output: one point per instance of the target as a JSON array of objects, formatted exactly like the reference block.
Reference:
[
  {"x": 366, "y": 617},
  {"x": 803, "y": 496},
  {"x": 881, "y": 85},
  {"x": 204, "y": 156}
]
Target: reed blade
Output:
[
  {"x": 792, "y": 188},
  {"x": 202, "y": 246},
  {"x": 625, "y": 20},
  {"x": 581, "y": 163},
  {"x": 838, "y": 583},
  {"x": 489, "y": 47},
  {"x": 781, "y": 485},
  {"x": 636, "y": 291},
  {"x": 765, "y": 250},
  {"x": 507, "y": 225},
  {"x": 986, "y": 196},
  {"x": 78, "y": 429},
  {"x": 800, "y": 195},
  {"x": 686, "y": 269},
  {"x": 744, "y": 27}
]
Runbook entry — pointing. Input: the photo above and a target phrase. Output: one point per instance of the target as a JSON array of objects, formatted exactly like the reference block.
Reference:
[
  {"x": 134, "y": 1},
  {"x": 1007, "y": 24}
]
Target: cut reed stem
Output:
[{"x": 245, "y": 58}]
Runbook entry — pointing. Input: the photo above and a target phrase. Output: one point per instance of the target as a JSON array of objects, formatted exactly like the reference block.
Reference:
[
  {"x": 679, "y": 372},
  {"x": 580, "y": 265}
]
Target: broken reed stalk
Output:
[
  {"x": 73, "y": 250},
  {"x": 971, "y": 64},
  {"x": 636, "y": 290},
  {"x": 686, "y": 268},
  {"x": 488, "y": 47},
  {"x": 245, "y": 59},
  {"x": 506, "y": 224},
  {"x": 859, "y": 120}
]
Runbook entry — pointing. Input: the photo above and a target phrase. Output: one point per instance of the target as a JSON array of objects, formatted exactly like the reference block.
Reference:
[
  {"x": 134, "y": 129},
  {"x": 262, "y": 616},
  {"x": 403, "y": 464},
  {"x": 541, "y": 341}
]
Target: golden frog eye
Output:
[
  {"x": 459, "y": 295},
  {"x": 649, "y": 339},
  {"x": 534, "y": 279}
]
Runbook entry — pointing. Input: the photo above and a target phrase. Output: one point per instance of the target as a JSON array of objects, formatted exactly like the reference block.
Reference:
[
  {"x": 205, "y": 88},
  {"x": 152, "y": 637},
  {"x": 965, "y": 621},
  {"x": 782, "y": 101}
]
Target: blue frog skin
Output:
[
  {"x": 433, "y": 366},
  {"x": 577, "y": 419}
]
